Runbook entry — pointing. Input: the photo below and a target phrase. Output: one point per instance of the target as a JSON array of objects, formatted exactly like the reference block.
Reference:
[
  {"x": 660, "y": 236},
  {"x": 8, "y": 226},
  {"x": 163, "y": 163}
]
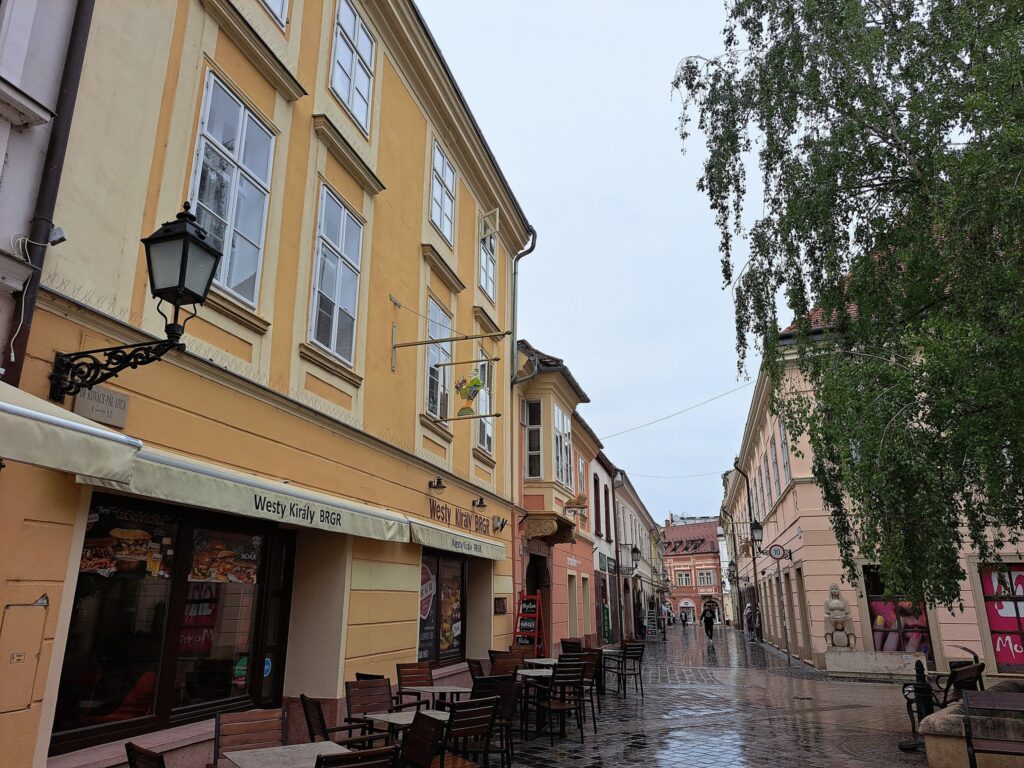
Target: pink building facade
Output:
[
  {"x": 773, "y": 485},
  {"x": 694, "y": 566}
]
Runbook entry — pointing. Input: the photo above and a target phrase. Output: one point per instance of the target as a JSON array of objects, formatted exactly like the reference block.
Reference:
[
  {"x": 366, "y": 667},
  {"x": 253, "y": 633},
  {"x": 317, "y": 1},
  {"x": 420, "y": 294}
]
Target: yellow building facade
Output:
[{"x": 305, "y": 503}]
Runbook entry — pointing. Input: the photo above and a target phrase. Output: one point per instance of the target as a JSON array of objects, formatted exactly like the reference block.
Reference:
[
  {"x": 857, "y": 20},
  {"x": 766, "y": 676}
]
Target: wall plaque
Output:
[{"x": 103, "y": 405}]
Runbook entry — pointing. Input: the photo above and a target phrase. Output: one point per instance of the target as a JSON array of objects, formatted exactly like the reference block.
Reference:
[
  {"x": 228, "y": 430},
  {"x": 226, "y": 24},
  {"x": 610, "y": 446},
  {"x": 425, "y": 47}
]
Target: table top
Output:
[
  {"x": 436, "y": 689},
  {"x": 542, "y": 662},
  {"x": 404, "y": 719},
  {"x": 535, "y": 672},
  {"x": 292, "y": 756}
]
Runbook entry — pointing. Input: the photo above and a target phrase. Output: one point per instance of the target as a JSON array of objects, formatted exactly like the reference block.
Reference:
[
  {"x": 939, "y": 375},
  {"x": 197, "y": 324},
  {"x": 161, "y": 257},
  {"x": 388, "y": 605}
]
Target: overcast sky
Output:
[{"x": 574, "y": 98}]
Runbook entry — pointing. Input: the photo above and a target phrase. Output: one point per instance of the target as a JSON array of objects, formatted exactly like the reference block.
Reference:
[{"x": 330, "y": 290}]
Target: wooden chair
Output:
[
  {"x": 572, "y": 645},
  {"x": 591, "y": 667},
  {"x": 487, "y": 685},
  {"x": 944, "y": 689},
  {"x": 255, "y": 729},
  {"x": 629, "y": 664},
  {"x": 368, "y": 676},
  {"x": 562, "y": 695},
  {"x": 590, "y": 642},
  {"x": 476, "y": 667},
  {"x": 316, "y": 724},
  {"x": 505, "y": 719},
  {"x": 416, "y": 673},
  {"x": 468, "y": 735},
  {"x": 379, "y": 757},
  {"x": 596, "y": 655},
  {"x": 143, "y": 758},
  {"x": 364, "y": 698},
  {"x": 505, "y": 666},
  {"x": 423, "y": 742},
  {"x": 1005, "y": 704}
]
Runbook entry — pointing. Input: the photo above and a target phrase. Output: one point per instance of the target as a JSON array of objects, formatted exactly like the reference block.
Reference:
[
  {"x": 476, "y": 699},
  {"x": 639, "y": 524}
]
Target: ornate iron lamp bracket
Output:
[{"x": 80, "y": 370}]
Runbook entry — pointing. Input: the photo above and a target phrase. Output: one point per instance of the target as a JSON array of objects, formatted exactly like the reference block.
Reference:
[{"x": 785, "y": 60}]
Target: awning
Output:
[
  {"x": 455, "y": 541},
  {"x": 36, "y": 431},
  {"x": 162, "y": 475}
]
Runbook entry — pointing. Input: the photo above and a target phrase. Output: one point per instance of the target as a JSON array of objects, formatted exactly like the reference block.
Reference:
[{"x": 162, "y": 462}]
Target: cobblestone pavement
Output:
[{"x": 734, "y": 704}]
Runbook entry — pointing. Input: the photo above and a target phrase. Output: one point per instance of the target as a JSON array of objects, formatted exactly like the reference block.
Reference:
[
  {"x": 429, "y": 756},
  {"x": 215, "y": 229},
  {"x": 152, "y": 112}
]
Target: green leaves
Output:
[{"x": 889, "y": 135}]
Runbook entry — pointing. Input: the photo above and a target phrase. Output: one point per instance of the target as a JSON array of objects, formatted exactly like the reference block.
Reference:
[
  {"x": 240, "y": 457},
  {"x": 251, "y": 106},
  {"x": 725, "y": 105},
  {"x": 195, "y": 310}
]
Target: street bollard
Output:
[{"x": 924, "y": 705}]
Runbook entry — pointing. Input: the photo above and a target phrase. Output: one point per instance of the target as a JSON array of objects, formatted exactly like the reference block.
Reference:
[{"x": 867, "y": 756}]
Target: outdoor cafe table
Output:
[
  {"x": 535, "y": 673},
  {"x": 541, "y": 662},
  {"x": 436, "y": 691},
  {"x": 292, "y": 756},
  {"x": 401, "y": 720}
]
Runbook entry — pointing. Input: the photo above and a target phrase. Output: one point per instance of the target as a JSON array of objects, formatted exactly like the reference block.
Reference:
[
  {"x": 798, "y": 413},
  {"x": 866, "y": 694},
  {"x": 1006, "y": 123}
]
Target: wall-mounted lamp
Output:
[
  {"x": 620, "y": 478},
  {"x": 756, "y": 532},
  {"x": 635, "y": 553},
  {"x": 479, "y": 504},
  {"x": 182, "y": 263},
  {"x": 498, "y": 523},
  {"x": 437, "y": 484}
]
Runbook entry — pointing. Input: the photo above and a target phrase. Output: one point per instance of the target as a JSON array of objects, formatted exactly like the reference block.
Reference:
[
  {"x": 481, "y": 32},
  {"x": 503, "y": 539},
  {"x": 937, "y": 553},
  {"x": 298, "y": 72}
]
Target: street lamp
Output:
[
  {"x": 181, "y": 263},
  {"x": 756, "y": 532},
  {"x": 733, "y": 570},
  {"x": 635, "y": 553}
]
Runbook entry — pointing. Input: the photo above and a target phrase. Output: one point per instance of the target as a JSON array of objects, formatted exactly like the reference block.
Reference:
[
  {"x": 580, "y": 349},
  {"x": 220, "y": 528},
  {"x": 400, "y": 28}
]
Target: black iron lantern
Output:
[
  {"x": 733, "y": 570},
  {"x": 182, "y": 263},
  {"x": 635, "y": 552},
  {"x": 756, "y": 532}
]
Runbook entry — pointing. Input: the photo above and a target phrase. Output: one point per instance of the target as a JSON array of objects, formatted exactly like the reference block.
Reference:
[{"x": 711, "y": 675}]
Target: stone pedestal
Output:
[{"x": 871, "y": 664}]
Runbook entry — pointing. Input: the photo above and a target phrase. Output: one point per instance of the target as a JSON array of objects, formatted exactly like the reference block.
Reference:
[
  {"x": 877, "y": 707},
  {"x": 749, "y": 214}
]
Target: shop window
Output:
[
  {"x": 1004, "y": 607},
  {"x": 442, "y": 608},
  {"x": 897, "y": 623},
  {"x": 170, "y": 621}
]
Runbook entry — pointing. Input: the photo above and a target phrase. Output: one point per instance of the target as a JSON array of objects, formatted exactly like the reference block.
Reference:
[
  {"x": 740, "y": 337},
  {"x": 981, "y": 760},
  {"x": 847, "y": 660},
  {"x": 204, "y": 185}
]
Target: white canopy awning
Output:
[
  {"x": 455, "y": 541},
  {"x": 36, "y": 431},
  {"x": 162, "y": 475}
]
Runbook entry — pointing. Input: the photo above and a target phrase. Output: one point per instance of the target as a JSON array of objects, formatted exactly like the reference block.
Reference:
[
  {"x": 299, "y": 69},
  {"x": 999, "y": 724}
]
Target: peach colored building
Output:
[
  {"x": 554, "y": 540},
  {"x": 775, "y": 467},
  {"x": 694, "y": 567}
]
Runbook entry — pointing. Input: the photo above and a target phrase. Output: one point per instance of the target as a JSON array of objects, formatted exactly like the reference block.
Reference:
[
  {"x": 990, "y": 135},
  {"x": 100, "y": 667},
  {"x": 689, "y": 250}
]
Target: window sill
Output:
[
  {"x": 483, "y": 456},
  {"x": 234, "y": 310},
  {"x": 436, "y": 428},
  {"x": 329, "y": 363}
]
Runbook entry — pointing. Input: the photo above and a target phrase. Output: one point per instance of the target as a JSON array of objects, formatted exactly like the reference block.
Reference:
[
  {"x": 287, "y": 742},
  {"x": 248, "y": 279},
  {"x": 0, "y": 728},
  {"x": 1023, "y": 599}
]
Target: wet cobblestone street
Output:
[{"x": 734, "y": 704}]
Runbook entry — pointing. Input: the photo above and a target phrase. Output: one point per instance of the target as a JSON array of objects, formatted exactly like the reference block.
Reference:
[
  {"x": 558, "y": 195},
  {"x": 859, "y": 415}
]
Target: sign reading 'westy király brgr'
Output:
[{"x": 458, "y": 517}]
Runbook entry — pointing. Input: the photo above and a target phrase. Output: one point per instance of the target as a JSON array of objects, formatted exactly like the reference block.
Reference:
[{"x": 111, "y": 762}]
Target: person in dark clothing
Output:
[{"x": 708, "y": 617}]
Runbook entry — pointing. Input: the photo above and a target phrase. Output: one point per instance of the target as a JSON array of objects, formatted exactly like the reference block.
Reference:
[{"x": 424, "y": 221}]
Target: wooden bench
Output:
[{"x": 995, "y": 743}]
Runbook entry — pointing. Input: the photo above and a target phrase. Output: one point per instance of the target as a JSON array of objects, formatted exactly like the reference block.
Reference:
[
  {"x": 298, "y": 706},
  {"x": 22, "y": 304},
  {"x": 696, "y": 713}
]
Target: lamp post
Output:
[
  {"x": 754, "y": 544},
  {"x": 181, "y": 263}
]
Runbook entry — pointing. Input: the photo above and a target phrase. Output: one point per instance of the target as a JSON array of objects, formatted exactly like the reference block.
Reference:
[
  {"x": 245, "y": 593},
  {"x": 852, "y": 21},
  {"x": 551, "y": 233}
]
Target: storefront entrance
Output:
[{"x": 178, "y": 614}]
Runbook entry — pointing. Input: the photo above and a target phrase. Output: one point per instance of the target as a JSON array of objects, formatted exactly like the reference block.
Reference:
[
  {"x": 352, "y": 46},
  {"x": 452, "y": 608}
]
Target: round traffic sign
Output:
[{"x": 776, "y": 551}]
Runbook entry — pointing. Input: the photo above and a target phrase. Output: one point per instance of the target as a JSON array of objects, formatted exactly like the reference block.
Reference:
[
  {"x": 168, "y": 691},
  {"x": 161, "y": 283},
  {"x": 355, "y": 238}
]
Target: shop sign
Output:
[
  {"x": 103, "y": 405},
  {"x": 602, "y": 560},
  {"x": 706, "y": 591},
  {"x": 460, "y": 518},
  {"x": 612, "y": 565},
  {"x": 572, "y": 562}
]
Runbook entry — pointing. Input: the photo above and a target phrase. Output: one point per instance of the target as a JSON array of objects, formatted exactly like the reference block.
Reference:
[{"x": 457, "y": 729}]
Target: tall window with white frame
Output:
[
  {"x": 231, "y": 187},
  {"x": 705, "y": 578},
  {"x": 439, "y": 326},
  {"x": 485, "y": 426},
  {"x": 767, "y": 481},
  {"x": 279, "y": 10},
  {"x": 784, "y": 446},
  {"x": 352, "y": 69},
  {"x": 775, "y": 469},
  {"x": 339, "y": 240},
  {"x": 442, "y": 194},
  {"x": 533, "y": 441},
  {"x": 488, "y": 253},
  {"x": 563, "y": 447}
]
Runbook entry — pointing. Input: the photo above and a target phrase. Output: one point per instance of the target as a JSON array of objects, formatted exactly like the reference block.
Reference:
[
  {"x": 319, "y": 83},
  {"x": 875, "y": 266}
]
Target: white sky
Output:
[{"x": 574, "y": 98}]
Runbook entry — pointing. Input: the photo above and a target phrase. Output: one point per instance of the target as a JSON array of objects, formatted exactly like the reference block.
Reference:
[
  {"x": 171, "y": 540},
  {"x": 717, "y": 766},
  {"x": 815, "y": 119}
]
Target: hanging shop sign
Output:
[{"x": 468, "y": 387}]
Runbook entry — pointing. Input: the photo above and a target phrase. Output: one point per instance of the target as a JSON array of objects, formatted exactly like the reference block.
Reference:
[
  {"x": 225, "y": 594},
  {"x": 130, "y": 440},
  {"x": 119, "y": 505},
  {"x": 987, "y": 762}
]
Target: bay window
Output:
[
  {"x": 562, "y": 427},
  {"x": 533, "y": 439}
]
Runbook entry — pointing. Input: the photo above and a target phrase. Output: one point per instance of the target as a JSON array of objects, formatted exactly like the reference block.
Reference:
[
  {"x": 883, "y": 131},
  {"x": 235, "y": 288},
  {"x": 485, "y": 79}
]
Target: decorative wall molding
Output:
[
  {"x": 329, "y": 363},
  {"x": 346, "y": 154},
  {"x": 441, "y": 268},
  {"x": 232, "y": 309}
]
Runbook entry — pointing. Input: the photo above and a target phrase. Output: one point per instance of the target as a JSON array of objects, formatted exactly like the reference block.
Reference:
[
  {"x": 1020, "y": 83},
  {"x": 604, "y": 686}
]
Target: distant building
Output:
[{"x": 694, "y": 566}]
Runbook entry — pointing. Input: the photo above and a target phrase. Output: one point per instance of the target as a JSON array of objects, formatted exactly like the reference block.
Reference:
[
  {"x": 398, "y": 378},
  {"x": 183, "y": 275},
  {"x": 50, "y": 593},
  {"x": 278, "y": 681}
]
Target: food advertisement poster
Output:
[
  {"x": 428, "y": 590},
  {"x": 225, "y": 557},
  {"x": 1004, "y": 606},
  {"x": 451, "y": 606},
  {"x": 201, "y": 609},
  {"x": 126, "y": 543}
]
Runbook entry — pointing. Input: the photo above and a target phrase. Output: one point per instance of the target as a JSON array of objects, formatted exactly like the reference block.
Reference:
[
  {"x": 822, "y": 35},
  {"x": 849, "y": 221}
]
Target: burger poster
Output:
[
  {"x": 224, "y": 557},
  {"x": 128, "y": 544}
]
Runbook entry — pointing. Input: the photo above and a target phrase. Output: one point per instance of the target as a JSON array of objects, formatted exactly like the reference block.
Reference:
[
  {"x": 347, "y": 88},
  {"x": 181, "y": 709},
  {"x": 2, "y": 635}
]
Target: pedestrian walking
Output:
[{"x": 708, "y": 617}]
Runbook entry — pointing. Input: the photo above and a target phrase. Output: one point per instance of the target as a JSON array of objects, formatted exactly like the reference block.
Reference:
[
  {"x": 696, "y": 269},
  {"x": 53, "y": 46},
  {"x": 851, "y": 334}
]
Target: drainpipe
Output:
[
  {"x": 515, "y": 297},
  {"x": 49, "y": 181},
  {"x": 758, "y": 631},
  {"x": 618, "y": 561}
]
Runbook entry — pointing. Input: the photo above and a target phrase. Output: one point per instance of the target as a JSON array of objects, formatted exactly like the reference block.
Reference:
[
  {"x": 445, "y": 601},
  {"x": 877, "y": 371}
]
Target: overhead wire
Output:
[{"x": 677, "y": 413}]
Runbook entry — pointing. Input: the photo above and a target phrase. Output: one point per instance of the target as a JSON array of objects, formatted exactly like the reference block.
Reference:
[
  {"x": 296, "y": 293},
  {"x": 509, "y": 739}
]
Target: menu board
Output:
[
  {"x": 428, "y": 624},
  {"x": 225, "y": 557},
  {"x": 128, "y": 543}
]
